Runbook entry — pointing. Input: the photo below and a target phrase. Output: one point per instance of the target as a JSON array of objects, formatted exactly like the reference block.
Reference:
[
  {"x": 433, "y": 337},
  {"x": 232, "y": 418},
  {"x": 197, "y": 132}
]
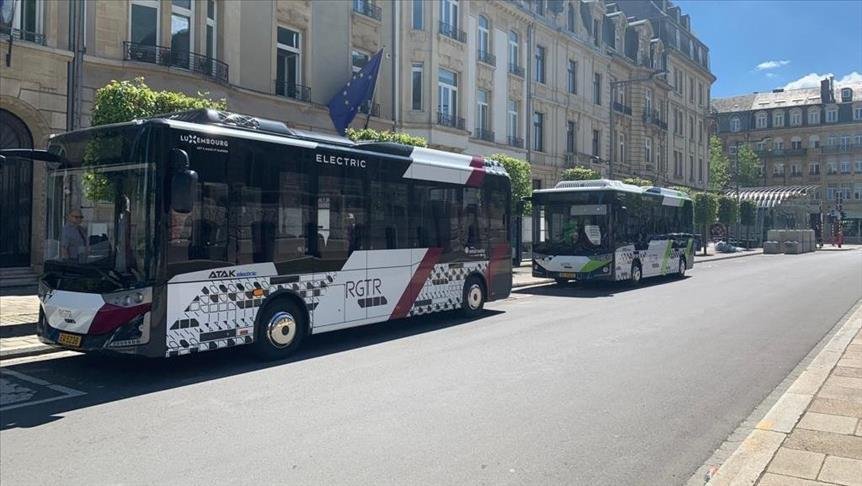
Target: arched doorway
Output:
[{"x": 16, "y": 193}]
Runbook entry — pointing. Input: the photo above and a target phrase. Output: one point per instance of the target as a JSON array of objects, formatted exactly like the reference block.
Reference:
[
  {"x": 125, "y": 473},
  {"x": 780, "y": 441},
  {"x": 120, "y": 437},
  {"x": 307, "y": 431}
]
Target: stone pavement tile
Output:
[
  {"x": 846, "y": 382},
  {"x": 785, "y": 413},
  {"x": 828, "y": 423},
  {"x": 825, "y": 442},
  {"x": 842, "y": 470},
  {"x": 840, "y": 393},
  {"x": 859, "y": 428},
  {"x": 848, "y": 372},
  {"x": 810, "y": 381},
  {"x": 854, "y": 347},
  {"x": 770, "y": 479},
  {"x": 801, "y": 464},
  {"x": 749, "y": 460},
  {"x": 853, "y": 363},
  {"x": 836, "y": 407}
]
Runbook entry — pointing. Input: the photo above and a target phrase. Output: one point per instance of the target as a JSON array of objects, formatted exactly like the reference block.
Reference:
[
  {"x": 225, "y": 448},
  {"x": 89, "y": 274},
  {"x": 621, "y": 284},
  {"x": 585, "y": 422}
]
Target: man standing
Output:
[{"x": 73, "y": 240}]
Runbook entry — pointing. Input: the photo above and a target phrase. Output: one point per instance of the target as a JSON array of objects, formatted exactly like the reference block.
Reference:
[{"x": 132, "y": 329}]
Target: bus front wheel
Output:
[
  {"x": 280, "y": 329},
  {"x": 681, "y": 271},
  {"x": 474, "y": 296},
  {"x": 636, "y": 274}
]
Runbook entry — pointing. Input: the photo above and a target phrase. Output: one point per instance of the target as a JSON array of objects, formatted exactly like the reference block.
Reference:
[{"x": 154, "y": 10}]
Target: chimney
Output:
[{"x": 827, "y": 95}]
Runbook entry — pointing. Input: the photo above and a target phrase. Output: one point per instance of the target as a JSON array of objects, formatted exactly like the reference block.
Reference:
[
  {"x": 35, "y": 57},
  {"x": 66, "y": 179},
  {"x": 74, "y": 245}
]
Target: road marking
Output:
[{"x": 16, "y": 395}]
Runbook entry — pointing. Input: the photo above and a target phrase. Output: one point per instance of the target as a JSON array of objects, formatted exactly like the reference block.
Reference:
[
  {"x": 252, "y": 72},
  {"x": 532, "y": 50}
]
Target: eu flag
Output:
[{"x": 344, "y": 105}]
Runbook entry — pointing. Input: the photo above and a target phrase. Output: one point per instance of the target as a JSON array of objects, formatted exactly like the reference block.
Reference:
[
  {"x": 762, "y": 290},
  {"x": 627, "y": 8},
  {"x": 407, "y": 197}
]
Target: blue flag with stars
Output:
[{"x": 344, "y": 105}]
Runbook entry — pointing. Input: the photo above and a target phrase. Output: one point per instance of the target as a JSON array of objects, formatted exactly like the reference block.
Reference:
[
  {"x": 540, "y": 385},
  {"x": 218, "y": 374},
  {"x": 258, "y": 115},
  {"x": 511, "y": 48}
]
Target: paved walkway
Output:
[{"x": 813, "y": 434}]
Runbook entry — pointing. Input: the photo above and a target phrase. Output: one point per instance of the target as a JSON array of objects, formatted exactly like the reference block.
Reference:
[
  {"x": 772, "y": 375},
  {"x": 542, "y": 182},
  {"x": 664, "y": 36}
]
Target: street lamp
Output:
[{"x": 614, "y": 85}]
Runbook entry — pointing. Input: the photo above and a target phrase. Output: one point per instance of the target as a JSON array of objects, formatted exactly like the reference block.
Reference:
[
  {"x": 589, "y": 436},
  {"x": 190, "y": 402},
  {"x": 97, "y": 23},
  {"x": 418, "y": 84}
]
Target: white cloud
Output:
[
  {"x": 770, "y": 65},
  {"x": 810, "y": 80},
  {"x": 853, "y": 77}
]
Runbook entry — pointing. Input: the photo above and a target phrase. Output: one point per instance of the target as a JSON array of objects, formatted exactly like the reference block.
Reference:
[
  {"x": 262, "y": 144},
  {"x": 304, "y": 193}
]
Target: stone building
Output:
[
  {"x": 808, "y": 136},
  {"x": 529, "y": 78}
]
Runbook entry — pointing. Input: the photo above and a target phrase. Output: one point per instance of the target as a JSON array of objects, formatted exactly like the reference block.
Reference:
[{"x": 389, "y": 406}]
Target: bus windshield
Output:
[
  {"x": 572, "y": 228},
  {"x": 100, "y": 212}
]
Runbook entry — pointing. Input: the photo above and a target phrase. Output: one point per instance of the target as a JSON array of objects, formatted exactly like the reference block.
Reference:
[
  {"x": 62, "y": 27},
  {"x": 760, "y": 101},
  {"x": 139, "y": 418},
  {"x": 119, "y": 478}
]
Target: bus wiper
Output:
[{"x": 89, "y": 268}]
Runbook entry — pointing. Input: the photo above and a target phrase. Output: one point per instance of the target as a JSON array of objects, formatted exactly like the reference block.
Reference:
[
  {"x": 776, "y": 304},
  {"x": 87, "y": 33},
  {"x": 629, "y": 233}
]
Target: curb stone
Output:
[
  {"x": 24, "y": 352},
  {"x": 748, "y": 462}
]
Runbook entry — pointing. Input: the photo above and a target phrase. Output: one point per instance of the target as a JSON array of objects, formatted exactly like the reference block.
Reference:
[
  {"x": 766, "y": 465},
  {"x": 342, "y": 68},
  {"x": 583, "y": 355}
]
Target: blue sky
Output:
[{"x": 761, "y": 45}]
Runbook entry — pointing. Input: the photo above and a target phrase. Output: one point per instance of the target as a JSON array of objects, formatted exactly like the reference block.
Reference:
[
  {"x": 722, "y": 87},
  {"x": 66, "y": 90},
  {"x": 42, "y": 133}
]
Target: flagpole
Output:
[{"x": 373, "y": 92}]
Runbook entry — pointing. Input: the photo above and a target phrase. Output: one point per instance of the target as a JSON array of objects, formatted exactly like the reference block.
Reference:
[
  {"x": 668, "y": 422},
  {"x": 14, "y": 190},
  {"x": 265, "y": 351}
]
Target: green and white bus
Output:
[{"x": 609, "y": 230}]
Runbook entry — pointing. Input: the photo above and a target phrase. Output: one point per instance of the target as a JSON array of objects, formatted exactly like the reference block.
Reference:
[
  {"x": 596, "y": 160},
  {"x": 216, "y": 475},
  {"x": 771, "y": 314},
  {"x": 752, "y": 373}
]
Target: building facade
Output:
[
  {"x": 808, "y": 136},
  {"x": 540, "y": 80}
]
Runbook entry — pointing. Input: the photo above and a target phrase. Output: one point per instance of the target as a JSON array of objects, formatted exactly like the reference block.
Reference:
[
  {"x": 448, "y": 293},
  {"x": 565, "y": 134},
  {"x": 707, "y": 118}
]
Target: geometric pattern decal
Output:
[{"x": 444, "y": 288}]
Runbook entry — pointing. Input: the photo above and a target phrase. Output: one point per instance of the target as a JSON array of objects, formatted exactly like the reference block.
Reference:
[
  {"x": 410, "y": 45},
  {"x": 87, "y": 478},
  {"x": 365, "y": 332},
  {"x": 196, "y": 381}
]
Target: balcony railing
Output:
[
  {"x": 483, "y": 134},
  {"x": 515, "y": 142},
  {"x": 655, "y": 119},
  {"x": 619, "y": 107},
  {"x": 368, "y": 9},
  {"x": 450, "y": 120},
  {"x": 22, "y": 35},
  {"x": 516, "y": 70},
  {"x": 835, "y": 149},
  {"x": 487, "y": 58},
  {"x": 369, "y": 108},
  {"x": 452, "y": 32},
  {"x": 165, "y": 56},
  {"x": 292, "y": 90}
]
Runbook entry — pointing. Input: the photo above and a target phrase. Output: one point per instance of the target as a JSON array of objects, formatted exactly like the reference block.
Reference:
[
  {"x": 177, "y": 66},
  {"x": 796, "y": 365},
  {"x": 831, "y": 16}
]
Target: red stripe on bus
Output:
[
  {"x": 478, "y": 174},
  {"x": 405, "y": 303}
]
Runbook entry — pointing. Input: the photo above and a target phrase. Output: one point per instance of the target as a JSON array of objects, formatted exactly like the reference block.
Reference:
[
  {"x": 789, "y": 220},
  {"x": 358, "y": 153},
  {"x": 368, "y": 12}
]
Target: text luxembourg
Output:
[{"x": 337, "y": 160}]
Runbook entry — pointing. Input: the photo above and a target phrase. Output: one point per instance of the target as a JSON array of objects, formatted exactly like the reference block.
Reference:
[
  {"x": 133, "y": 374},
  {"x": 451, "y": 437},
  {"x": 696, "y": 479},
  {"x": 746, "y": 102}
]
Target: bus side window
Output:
[
  {"x": 341, "y": 217},
  {"x": 388, "y": 215}
]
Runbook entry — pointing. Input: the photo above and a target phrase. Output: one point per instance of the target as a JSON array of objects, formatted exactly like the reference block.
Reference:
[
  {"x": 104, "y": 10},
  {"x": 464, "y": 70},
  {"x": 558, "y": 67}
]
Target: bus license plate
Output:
[
  {"x": 72, "y": 340},
  {"x": 567, "y": 275}
]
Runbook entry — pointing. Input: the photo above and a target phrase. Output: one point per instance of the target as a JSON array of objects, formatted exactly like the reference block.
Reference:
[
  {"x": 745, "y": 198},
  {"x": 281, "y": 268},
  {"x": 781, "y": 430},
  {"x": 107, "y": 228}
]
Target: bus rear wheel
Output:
[
  {"x": 681, "y": 271},
  {"x": 474, "y": 297},
  {"x": 281, "y": 326},
  {"x": 636, "y": 274}
]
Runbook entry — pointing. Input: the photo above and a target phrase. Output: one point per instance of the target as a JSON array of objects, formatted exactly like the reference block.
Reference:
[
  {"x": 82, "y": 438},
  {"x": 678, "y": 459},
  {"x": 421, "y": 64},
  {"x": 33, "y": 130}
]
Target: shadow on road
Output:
[
  {"x": 594, "y": 289},
  {"x": 108, "y": 378}
]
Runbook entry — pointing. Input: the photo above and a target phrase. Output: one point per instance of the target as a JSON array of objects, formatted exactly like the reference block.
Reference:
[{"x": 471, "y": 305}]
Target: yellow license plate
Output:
[
  {"x": 567, "y": 275},
  {"x": 67, "y": 339}
]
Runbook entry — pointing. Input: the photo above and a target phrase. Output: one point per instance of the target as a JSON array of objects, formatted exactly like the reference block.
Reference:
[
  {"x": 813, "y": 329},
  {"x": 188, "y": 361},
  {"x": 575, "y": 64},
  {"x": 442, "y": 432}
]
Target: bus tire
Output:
[
  {"x": 281, "y": 326},
  {"x": 636, "y": 274},
  {"x": 680, "y": 272},
  {"x": 474, "y": 296}
]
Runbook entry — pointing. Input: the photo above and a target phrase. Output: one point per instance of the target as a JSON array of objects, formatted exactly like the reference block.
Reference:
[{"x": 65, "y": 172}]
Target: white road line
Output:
[{"x": 65, "y": 391}]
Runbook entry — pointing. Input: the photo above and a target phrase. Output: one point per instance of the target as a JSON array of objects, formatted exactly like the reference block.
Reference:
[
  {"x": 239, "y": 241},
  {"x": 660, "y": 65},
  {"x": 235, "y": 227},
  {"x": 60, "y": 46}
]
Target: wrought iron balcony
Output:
[
  {"x": 621, "y": 108},
  {"x": 655, "y": 119},
  {"x": 516, "y": 70},
  {"x": 515, "y": 142},
  {"x": 836, "y": 149},
  {"x": 292, "y": 90},
  {"x": 452, "y": 32},
  {"x": 368, "y": 9},
  {"x": 165, "y": 56},
  {"x": 483, "y": 134},
  {"x": 487, "y": 58},
  {"x": 369, "y": 108},
  {"x": 22, "y": 35},
  {"x": 450, "y": 120}
]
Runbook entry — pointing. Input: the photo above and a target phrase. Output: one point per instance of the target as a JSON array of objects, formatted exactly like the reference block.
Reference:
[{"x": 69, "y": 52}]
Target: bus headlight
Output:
[{"x": 129, "y": 298}]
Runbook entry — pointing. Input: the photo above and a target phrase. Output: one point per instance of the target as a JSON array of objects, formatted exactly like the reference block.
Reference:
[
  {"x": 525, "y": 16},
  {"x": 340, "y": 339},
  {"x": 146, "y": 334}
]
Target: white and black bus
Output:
[
  {"x": 609, "y": 230},
  {"x": 203, "y": 230}
]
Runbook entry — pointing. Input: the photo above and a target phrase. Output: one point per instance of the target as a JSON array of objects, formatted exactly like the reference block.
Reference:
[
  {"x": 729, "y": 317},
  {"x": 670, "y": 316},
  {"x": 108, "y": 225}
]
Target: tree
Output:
[
  {"x": 122, "y": 101},
  {"x": 748, "y": 163},
  {"x": 705, "y": 212},
  {"x": 370, "y": 134},
  {"x": 637, "y": 181},
  {"x": 747, "y": 215},
  {"x": 727, "y": 211},
  {"x": 520, "y": 174},
  {"x": 719, "y": 165},
  {"x": 579, "y": 174}
]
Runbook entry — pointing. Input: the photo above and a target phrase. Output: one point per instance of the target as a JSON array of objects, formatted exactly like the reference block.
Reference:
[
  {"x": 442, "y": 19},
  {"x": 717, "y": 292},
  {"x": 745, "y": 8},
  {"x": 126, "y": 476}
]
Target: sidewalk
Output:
[
  {"x": 813, "y": 433},
  {"x": 18, "y": 316}
]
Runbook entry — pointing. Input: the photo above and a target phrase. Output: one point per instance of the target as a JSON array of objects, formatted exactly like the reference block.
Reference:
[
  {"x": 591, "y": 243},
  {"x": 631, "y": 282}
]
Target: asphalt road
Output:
[{"x": 605, "y": 385}]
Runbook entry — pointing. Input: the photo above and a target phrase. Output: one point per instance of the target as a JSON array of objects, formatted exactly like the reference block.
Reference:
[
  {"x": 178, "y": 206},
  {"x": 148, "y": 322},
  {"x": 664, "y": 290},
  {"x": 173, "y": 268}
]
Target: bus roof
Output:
[
  {"x": 426, "y": 163},
  {"x": 611, "y": 185}
]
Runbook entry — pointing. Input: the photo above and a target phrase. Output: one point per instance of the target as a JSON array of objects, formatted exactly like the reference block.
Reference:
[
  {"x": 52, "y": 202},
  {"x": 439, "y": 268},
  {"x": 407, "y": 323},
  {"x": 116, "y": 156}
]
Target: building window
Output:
[
  {"x": 211, "y": 30},
  {"x": 857, "y": 113},
  {"x": 778, "y": 119},
  {"x": 795, "y": 118},
  {"x": 845, "y": 166},
  {"x": 691, "y": 128},
  {"x": 778, "y": 169},
  {"x": 734, "y": 124},
  {"x": 831, "y": 115},
  {"x": 813, "y": 116},
  {"x": 814, "y": 141},
  {"x": 597, "y": 33},
  {"x": 691, "y": 167},
  {"x": 447, "y": 95},
  {"x": 416, "y": 83},
  {"x": 647, "y": 150},
  {"x": 540, "y": 64},
  {"x": 28, "y": 19},
  {"x": 538, "y": 132},
  {"x": 832, "y": 168},
  {"x": 846, "y": 95},
  {"x": 597, "y": 88},
  {"x": 857, "y": 190},
  {"x": 700, "y": 138},
  {"x": 182, "y": 31},
  {"x": 597, "y": 140},
  {"x": 484, "y": 37},
  {"x": 648, "y": 102},
  {"x": 144, "y": 19},
  {"x": 621, "y": 142},
  {"x": 699, "y": 93},
  {"x": 760, "y": 120},
  {"x": 539, "y": 7},
  {"x": 813, "y": 168},
  {"x": 514, "y": 51},
  {"x": 483, "y": 117},
  {"x": 858, "y": 168},
  {"x": 831, "y": 192},
  {"x": 358, "y": 59},
  {"x": 677, "y": 164},
  {"x": 512, "y": 122},
  {"x": 700, "y": 169},
  {"x": 449, "y": 14},
  {"x": 418, "y": 15},
  {"x": 691, "y": 90},
  {"x": 795, "y": 170},
  {"x": 571, "y": 137},
  {"x": 572, "y": 74},
  {"x": 288, "y": 70},
  {"x": 571, "y": 15},
  {"x": 796, "y": 144},
  {"x": 778, "y": 144}
]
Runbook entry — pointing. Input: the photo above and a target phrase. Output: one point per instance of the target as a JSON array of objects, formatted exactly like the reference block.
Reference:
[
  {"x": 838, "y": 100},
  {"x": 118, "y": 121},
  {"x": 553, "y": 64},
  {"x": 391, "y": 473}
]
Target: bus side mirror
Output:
[{"x": 183, "y": 182}]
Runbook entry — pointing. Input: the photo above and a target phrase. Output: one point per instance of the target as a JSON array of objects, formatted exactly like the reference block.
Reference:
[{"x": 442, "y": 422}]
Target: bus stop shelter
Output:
[{"x": 778, "y": 207}]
